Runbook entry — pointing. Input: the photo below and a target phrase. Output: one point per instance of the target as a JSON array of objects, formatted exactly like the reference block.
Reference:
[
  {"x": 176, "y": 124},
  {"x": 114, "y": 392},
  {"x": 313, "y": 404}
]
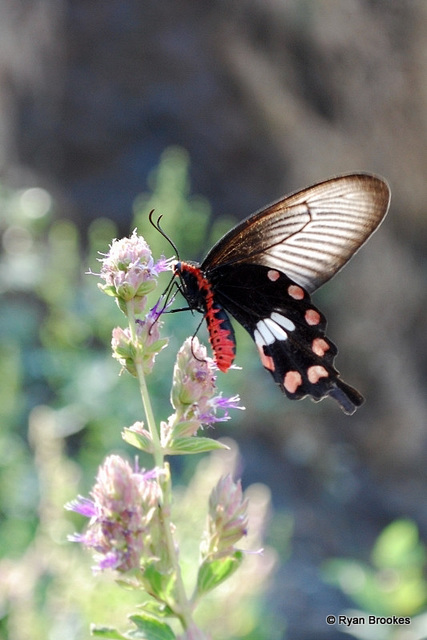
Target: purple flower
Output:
[
  {"x": 218, "y": 402},
  {"x": 123, "y": 510},
  {"x": 129, "y": 270},
  {"x": 84, "y": 506},
  {"x": 194, "y": 394}
]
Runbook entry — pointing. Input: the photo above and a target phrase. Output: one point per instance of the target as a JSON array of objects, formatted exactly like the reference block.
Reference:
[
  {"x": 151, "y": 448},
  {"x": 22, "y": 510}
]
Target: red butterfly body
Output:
[{"x": 263, "y": 271}]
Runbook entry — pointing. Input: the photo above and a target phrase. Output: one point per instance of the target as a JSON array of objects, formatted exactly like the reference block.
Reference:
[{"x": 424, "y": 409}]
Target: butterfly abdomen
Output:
[
  {"x": 221, "y": 335},
  {"x": 200, "y": 296}
]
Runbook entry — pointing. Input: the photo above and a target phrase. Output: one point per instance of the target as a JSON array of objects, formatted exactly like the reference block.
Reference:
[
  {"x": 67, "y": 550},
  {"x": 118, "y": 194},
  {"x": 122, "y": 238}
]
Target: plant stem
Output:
[
  {"x": 151, "y": 423},
  {"x": 148, "y": 409},
  {"x": 183, "y": 609}
]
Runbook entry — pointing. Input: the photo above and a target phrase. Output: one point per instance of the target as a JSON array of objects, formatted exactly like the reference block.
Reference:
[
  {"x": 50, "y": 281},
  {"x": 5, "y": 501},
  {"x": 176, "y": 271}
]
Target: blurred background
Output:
[{"x": 208, "y": 111}]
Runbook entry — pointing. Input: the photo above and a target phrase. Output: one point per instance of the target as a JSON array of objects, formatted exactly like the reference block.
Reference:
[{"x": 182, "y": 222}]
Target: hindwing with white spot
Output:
[
  {"x": 273, "y": 328},
  {"x": 288, "y": 330}
]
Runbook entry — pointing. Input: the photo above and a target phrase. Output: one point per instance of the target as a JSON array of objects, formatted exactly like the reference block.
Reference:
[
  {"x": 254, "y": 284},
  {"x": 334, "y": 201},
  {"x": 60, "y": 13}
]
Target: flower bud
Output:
[
  {"x": 147, "y": 345},
  {"x": 228, "y": 519},
  {"x": 193, "y": 376}
]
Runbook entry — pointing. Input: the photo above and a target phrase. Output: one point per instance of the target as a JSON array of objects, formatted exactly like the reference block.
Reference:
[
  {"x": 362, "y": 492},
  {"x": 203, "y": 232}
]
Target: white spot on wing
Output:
[
  {"x": 265, "y": 334},
  {"x": 276, "y": 329},
  {"x": 283, "y": 321},
  {"x": 268, "y": 331},
  {"x": 259, "y": 340}
]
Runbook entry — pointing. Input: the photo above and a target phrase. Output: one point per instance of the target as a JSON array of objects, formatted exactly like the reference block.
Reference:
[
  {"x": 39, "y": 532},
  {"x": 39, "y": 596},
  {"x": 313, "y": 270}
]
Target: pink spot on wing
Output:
[
  {"x": 297, "y": 293},
  {"x": 315, "y": 373},
  {"x": 292, "y": 381},
  {"x": 267, "y": 361},
  {"x": 312, "y": 317},
  {"x": 273, "y": 275},
  {"x": 320, "y": 346}
]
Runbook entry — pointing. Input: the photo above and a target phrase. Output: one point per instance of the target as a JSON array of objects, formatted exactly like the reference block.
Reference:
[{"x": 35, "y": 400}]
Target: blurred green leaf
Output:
[
  {"x": 150, "y": 628},
  {"x": 394, "y": 584},
  {"x": 398, "y": 546},
  {"x": 138, "y": 440},
  {"x": 185, "y": 218},
  {"x": 159, "y": 584},
  {"x": 108, "y": 632},
  {"x": 157, "y": 609},
  {"x": 194, "y": 444},
  {"x": 213, "y": 572}
]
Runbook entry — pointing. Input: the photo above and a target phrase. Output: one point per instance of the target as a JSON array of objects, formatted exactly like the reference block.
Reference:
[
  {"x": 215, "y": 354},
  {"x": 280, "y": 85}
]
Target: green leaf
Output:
[
  {"x": 157, "y": 346},
  {"x": 138, "y": 440},
  {"x": 157, "y": 609},
  {"x": 150, "y": 628},
  {"x": 160, "y": 585},
  {"x": 110, "y": 290},
  {"x": 214, "y": 572},
  {"x": 398, "y": 546},
  {"x": 183, "y": 429},
  {"x": 122, "y": 305},
  {"x": 146, "y": 287},
  {"x": 107, "y": 632},
  {"x": 182, "y": 446}
]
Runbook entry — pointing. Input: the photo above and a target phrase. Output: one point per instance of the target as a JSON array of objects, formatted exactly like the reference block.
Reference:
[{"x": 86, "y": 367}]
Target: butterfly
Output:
[{"x": 263, "y": 271}]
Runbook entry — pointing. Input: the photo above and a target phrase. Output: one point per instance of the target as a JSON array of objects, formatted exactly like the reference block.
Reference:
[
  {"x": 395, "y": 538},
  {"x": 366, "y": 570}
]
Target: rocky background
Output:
[{"x": 267, "y": 97}]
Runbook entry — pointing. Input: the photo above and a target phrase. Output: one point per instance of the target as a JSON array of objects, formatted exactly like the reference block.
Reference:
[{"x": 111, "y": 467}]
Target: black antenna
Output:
[{"x": 157, "y": 226}]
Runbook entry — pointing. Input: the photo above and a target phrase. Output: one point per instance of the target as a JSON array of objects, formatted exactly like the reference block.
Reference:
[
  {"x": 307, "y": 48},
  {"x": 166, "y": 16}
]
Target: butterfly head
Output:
[{"x": 192, "y": 284}]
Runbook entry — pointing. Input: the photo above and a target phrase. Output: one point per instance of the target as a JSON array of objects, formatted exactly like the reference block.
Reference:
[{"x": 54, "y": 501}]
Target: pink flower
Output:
[
  {"x": 194, "y": 395},
  {"x": 122, "y": 509},
  {"x": 129, "y": 270}
]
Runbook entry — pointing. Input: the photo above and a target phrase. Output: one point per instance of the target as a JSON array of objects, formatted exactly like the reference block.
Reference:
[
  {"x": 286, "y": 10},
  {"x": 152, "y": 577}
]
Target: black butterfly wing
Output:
[
  {"x": 309, "y": 235},
  {"x": 288, "y": 330}
]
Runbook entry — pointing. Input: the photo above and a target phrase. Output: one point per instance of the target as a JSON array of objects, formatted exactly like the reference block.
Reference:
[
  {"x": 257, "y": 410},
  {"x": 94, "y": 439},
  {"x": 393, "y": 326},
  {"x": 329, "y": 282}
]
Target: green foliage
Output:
[
  {"x": 184, "y": 446},
  {"x": 185, "y": 218},
  {"x": 150, "y": 628},
  {"x": 108, "y": 632},
  {"x": 394, "y": 582},
  {"x": 213, "y": 572}
]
